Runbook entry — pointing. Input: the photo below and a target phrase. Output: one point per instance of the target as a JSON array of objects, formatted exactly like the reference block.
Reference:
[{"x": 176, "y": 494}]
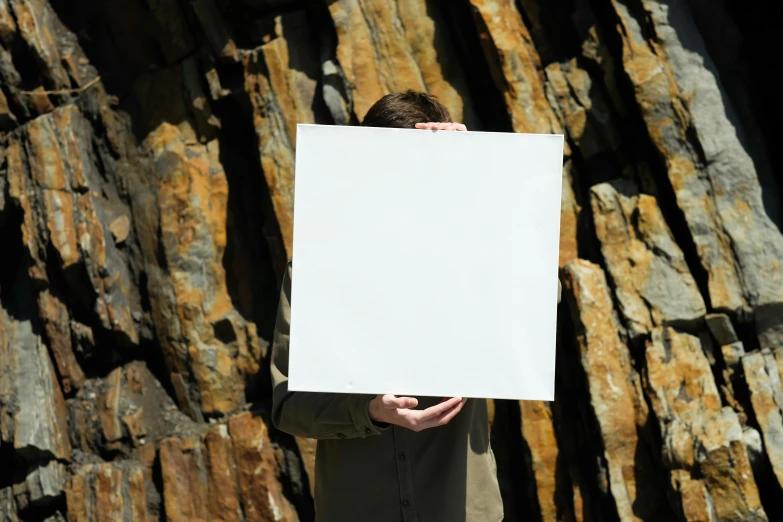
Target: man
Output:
[{"x": 387, "y": 458}]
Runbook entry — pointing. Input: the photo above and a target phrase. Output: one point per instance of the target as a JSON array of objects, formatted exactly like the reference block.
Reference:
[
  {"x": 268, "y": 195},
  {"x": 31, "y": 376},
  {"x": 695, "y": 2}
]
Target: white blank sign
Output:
[{"x": 425, "y": 262}]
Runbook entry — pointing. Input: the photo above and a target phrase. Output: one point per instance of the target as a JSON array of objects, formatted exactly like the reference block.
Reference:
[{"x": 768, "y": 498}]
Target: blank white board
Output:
[{"x": 425, "y": 262}]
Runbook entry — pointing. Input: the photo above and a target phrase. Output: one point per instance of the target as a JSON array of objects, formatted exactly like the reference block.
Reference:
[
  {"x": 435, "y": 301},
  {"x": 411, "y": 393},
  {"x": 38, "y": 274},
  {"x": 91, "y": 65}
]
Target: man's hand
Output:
[
  {"x": 398, "y": 410},
  {"x": 441, "y": 126}
]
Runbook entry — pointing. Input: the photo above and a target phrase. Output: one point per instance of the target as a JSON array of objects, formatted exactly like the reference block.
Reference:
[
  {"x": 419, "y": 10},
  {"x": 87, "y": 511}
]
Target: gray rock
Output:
[
  {"x": 694, "y": 126},
  {"x": 32, "y": 410},
  {"x": 651, "y": 279},
  {"x": 41, "y": 486},
  {"x": 721, "y": 328},
  {"x": 769, "y": 325}
]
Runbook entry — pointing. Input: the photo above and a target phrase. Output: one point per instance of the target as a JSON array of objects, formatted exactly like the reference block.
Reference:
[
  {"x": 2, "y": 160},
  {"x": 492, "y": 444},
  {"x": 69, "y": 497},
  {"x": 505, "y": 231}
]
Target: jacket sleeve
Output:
[{"x": 306, "y": 414}]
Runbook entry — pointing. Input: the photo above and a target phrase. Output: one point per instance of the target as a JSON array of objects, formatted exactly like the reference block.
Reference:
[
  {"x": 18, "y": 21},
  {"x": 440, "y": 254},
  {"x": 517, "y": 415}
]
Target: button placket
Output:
[{"x": 404, "y": 476}]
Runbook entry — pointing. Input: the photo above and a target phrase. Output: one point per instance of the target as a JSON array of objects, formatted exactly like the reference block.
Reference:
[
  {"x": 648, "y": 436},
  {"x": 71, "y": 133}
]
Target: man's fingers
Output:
[
  {"x": 393, "y": 402},
  {"x": 446, "y": 416},
  {"x": 430, "y": 125},
  {"x": 438, "y": 409},
  {"x": 437, "y": 415}
]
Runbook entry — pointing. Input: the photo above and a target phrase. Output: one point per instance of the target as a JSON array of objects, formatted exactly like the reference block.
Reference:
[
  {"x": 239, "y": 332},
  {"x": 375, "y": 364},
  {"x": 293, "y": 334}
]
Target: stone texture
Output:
[
  {"x": 33, "y": 418},
  {"x": 123, "y": 413},
  {"x": 516, "y": 66},
  {"x": 763, "y": 377},
  {"x": 769, "y": 325},
  {"x": 693, "y": 127},
  {"x": 258, "y": 470},
  {"x": 56, "y": 322},
  {"x": 389, "y": 46},
  {"x": 281, "y": 79},
  {"x": 703, "y": 445},
  {"x": 569, "y": 218},
  {"x": 539, "y": 434},
  {"x": 226, "y": 472},
  {"x": 55, "y": 179},
  {"x": 721, "y": 328},
  {"x": 206, "y": 341},
  {"x": 652, "y": 283},
  {"x": 184, "y": 479},
  {"x": 141, "y": 229},
  {"x": 110, "y": 491},
  {"x": 614, "y": 390},
  {"x": 41, "y": 487},
  {"x": 8, "y": 505}
]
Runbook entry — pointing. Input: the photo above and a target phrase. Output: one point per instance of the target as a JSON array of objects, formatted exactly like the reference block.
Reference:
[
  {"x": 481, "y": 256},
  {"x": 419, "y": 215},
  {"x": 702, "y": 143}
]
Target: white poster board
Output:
[{"x": 425, "y": 262}]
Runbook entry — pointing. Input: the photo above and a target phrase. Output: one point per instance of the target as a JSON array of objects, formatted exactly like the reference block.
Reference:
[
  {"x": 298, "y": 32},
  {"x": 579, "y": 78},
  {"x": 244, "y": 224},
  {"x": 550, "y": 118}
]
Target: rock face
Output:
[
  {"x": 702, "y": 442},
  {"x": 146, "y": 207},
  {"x": 653, "y": 285}
]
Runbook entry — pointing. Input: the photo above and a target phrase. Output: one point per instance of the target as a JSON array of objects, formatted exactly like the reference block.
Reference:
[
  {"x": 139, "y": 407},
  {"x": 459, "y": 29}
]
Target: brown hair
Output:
[{"x": 404, "y": 110}]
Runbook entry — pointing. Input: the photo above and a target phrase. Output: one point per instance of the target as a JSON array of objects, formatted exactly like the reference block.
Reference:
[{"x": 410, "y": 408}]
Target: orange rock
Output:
[
  {"x": 110, "y": 491},
  {"x": 763, "y": 378},
  {"x": 56, "y": 321},
  {"x": 205, "y": 339},
  {"x": 385, "y": 46},
  {"x": 223, "y": 501},
  {"x": 183, "y": 470},
  {"x": 699, "y": 435},
  {"x": 282, "y": 96},
  {"x": 539, "y": 434},
  {"x": 120, "y": 228},
  {"x": 258, "y": 471},
  {"x": 614, "y": 389},
  {"x": 52, "y": 176},
  {"x": 108, "y": 408},
  {"x": 647, "y": 267},
  {"x": 569, "y": 217},
  {"x": 516, "y": 66}
]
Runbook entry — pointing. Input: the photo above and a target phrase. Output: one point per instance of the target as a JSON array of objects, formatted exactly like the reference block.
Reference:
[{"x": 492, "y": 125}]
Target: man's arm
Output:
[{"x": 305, "y": 414}]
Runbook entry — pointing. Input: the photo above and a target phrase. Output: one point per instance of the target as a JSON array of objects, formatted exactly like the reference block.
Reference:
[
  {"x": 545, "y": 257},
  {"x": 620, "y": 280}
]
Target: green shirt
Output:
[{"x": 366, "y": 472}]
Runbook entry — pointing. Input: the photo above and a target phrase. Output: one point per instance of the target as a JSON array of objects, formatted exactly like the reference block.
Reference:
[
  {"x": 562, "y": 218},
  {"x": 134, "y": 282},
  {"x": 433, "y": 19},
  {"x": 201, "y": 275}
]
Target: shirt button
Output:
[
  {"x": 342, "y": 435},
  {"x": 406, "y": 503},
  {"x": 367, "y": 431},
  {"x": 402, "y": 456}
]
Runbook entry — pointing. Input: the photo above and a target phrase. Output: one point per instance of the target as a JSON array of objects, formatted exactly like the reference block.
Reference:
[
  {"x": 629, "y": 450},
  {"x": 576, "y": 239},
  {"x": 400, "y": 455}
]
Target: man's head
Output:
[{"x": 405, "y": 109}]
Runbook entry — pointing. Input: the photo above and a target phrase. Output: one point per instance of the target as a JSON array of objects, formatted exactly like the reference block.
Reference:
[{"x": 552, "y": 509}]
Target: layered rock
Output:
[
  {"x": 693, "y": 127},
  {"x": 703, "y": 446},
  {"x": 142, "y": 229},
  {"x": 54, "y": 178},
  {"x": 210, "y": 348},
  {"x": 110, "y": 491},
  {"x": 614, "y": 393},
  {"x": 281, "y": 79},
  {"x": 33, "y": 419},
  {"x": 390, "y": 46},
  {"x": 651, "y": 279},
  {"x": 763, "y": 377},
  {"x": 538, "y": 432},
  {"x": 123, "y": 414},
  {"x": 227, "y": 472}
]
